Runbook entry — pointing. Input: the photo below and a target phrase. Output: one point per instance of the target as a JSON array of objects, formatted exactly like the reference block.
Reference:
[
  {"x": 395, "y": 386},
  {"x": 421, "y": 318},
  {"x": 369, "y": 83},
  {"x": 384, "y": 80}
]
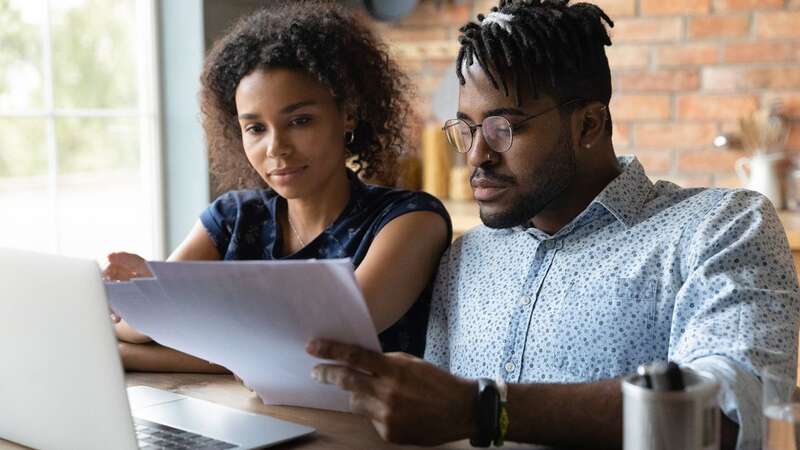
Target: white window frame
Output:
[{"x": 147, "y": 112}]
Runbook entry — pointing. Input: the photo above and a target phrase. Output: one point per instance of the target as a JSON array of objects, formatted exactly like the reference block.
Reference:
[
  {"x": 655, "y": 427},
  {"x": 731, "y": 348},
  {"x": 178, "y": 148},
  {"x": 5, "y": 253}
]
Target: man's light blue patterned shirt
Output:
[{"x": 703, "y": 277}]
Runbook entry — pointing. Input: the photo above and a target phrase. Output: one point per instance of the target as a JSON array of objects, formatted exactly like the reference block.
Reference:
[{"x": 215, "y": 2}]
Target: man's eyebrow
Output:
[
  {"x": 494, "y": 112},
  {"x": 504, "y": 112},
  {"x": 285, "y": 110}
]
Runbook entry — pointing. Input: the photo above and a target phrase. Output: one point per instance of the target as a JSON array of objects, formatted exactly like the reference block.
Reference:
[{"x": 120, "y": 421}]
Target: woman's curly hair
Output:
[{"x": 325, "y": 41}]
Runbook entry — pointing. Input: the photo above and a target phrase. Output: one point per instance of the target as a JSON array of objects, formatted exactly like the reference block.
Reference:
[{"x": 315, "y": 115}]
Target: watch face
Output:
[{"x": 389, "y": 10}]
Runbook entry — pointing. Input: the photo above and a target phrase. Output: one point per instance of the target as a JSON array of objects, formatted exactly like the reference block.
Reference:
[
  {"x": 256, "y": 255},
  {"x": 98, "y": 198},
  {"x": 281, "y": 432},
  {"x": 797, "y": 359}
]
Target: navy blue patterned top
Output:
[{"x": 243, "y": 226}]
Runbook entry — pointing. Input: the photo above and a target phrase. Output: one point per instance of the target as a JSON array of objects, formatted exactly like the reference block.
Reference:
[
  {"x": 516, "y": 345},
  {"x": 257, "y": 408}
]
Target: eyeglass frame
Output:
[{"x": 511, "y": 127}]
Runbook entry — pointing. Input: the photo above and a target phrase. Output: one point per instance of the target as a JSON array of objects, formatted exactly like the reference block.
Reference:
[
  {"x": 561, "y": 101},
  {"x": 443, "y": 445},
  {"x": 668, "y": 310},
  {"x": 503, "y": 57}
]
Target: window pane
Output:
[
  {"x": 25, "y": 199},
  {"x": 23, "y": 150},
  {"x": 104, "y": 212},
  {"x": 21, "y": 55},
  {"x": 94, "y": 53},
  {"x": 92, "y": 144}
]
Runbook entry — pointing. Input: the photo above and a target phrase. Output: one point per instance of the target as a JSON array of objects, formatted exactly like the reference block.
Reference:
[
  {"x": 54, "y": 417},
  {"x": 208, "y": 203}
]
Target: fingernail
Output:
[{"x": 312, "y": 346}]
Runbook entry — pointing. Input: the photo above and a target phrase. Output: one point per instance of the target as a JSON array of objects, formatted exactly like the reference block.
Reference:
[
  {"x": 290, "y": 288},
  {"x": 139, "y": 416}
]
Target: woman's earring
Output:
[{"x": 349, "y": 137}]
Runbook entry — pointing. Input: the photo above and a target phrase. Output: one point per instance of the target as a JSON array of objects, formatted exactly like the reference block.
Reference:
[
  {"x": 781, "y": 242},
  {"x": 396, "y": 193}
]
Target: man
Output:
[{"x": 584, "y": 268}]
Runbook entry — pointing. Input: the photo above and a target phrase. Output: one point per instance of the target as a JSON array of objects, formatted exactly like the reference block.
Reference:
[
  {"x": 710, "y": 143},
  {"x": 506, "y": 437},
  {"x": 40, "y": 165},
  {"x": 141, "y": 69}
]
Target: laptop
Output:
[{"x": 61, "y": 381}]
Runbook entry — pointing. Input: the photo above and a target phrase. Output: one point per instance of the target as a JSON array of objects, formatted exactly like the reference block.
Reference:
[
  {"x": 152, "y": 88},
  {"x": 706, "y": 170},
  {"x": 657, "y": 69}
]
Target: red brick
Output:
[
  {"x": 675, "y": 135},
  {"x": 628, "y": 56},
  {"x": 718, "y": 27},
  {"x": 783, "y": 24},
  {"x": 658, "y": 80},
  {"x": 745, "y": 5},
  {"x": 654, "y": 161},
  {"x": 692, "y": 54},
  {"x": 647, "y": 30},
  {"x": 689, "y": 180},
  {"x": 638, "y": 107},
  {"x": 720, "y": 79},
  {"x": 793, "y": 142},
  {"x": 397, "y": 33},
  {"x": 771, "y": 78},
  {"x": 713, "y": 160},
  {"x": 727, "y": 180},
  {"x": 714, "y": 107},
  {"x": 432, "y": 13},
  {"x": 621, "y": 135},
  {"x": 749, "y": 52},
  {"x": 617, "y": 8},
  {"x": 675, "y": 7}
]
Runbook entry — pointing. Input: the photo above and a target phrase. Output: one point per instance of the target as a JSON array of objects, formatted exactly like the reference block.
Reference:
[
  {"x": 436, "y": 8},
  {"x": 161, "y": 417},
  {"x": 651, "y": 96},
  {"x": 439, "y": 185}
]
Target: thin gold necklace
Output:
[{"x": 291, "y": 225}]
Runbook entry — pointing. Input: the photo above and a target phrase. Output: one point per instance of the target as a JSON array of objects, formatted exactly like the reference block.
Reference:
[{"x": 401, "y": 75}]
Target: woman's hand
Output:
[{"x": 124, "y": 266}]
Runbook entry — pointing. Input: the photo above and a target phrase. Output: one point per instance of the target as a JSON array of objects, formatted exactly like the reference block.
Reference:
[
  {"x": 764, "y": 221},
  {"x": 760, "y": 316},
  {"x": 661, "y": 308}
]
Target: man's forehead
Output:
[{"x": 478, "y": 94}]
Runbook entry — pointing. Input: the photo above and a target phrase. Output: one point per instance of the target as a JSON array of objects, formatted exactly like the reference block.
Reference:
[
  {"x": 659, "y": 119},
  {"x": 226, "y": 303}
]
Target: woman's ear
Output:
[{"x": 350, "y": 117}]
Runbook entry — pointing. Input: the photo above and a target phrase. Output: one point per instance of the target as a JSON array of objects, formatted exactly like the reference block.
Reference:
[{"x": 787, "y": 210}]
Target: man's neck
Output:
[{"x": 576, "y": 198}]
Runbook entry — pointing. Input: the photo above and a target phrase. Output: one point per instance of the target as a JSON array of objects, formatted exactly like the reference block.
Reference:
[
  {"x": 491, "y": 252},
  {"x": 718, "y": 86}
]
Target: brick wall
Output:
[{"x": 683, "y": 70}]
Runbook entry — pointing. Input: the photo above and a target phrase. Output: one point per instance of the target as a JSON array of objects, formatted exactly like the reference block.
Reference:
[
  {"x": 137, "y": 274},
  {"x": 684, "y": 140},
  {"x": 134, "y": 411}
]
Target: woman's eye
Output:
[
  {"x": 253, "y": 129},
  {"x": 298, "y": 121}
]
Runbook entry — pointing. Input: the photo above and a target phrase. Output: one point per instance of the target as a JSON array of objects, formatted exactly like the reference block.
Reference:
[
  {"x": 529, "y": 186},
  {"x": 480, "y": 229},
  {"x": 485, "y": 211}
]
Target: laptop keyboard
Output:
[{"x": 152, "y": 436}]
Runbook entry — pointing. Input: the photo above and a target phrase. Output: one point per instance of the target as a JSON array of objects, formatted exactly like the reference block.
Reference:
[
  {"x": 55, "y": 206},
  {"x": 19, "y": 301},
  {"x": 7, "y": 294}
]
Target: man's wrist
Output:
[{"x": 467, "y": 409}]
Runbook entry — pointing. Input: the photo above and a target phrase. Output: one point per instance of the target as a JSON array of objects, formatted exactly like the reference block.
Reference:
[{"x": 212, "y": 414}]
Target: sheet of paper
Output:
[{"x": 253, "y": 317}]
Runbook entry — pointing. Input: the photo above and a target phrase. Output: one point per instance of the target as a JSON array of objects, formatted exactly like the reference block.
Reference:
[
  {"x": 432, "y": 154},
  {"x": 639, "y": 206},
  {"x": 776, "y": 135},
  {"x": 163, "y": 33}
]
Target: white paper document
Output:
[{"x": 254, "y": 318}]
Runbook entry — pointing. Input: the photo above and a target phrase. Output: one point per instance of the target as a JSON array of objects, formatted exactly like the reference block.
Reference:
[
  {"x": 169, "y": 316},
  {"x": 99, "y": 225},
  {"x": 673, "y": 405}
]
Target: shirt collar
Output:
[
  {"x": 623, "y": 198},
  {"x": 626, "y": 194}
]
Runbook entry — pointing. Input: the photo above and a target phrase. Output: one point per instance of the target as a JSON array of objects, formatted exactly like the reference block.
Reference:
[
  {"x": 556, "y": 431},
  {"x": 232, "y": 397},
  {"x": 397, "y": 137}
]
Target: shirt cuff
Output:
[{"x": 739, "y": 396}]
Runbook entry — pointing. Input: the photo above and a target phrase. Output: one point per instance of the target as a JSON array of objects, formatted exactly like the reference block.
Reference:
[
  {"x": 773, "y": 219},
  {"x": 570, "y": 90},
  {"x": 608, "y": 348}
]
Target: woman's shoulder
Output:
[{"x": 244, "y": 198}]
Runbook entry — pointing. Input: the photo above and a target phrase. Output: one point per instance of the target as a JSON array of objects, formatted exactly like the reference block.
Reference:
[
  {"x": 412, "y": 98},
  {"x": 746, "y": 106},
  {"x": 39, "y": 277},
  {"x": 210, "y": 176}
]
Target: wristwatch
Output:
[{"x": 486, "y": 413}]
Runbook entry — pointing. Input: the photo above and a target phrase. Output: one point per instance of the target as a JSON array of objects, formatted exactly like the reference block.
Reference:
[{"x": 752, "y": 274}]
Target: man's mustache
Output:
[{"x": 487, "y": 174}]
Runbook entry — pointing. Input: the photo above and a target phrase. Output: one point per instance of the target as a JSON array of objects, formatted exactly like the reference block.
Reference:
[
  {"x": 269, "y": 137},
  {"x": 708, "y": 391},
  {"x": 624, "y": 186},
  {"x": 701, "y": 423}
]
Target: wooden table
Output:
[{"x": 335, "y": 430}]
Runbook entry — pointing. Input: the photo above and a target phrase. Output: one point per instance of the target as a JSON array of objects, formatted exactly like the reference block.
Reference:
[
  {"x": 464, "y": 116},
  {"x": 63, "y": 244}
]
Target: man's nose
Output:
[{"x": 480, "y": 152}]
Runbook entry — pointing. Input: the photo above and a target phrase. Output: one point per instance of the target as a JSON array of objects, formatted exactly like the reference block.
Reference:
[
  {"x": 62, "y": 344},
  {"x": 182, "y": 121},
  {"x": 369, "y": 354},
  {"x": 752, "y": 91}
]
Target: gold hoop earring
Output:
[{"x": 349, "y": 137}]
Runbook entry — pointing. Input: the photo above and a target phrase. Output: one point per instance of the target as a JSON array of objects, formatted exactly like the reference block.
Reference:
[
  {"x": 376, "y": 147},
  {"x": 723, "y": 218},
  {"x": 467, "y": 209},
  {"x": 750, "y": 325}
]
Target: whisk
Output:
[{"x": 764, "y": 131}]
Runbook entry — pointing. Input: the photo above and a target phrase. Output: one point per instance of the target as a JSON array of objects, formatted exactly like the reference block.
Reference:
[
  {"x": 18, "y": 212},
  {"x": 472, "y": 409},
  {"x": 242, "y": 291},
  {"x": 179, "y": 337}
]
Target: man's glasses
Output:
[{"x": 497, "y": 131}]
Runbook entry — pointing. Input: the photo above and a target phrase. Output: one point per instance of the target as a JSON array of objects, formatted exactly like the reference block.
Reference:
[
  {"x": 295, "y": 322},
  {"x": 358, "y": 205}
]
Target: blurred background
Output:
[{"x": 102, "y": 148}]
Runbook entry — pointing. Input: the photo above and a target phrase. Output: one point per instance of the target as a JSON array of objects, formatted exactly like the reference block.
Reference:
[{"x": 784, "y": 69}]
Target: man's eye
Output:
[{"x": 300, "y": 121}]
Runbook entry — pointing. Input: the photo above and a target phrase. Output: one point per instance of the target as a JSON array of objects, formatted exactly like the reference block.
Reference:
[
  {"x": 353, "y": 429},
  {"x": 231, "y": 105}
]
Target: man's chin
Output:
[{"x": 496, "y": 216}]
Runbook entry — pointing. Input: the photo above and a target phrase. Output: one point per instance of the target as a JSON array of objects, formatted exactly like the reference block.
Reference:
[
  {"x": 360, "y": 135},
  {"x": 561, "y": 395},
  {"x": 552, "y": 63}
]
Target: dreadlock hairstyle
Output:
[
  {"x": 544, "y": 45},
  {"x": 325, "y": 41}
]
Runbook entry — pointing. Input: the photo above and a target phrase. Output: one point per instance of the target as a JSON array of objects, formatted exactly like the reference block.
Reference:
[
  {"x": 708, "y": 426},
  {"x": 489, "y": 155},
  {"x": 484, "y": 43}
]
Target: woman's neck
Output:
[{"x": 310, "y": 216}]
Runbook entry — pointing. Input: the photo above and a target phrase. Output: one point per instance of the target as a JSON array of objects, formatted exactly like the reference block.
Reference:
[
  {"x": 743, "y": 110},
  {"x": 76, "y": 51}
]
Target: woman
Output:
[{"x": 288, "y": 96}]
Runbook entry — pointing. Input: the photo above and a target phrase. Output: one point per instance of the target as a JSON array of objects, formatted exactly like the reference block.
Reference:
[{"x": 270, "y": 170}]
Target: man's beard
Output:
[{"x": 547, "y": 183}]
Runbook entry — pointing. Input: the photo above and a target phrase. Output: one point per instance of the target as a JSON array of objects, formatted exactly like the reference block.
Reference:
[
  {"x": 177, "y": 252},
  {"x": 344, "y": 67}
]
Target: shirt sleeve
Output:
[
  {"x": 738, "y": 308},
  {"x": 412, "y": 202},
  {"x": 219, "y": 219}
]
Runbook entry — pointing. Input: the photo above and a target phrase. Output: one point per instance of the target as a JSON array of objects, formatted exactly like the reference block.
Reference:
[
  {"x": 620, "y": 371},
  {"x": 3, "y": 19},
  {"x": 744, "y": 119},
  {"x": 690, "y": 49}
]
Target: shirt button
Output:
[
  {"x": 525, "y": 300},
  {"x": 510, "y": 366},
  {"x": 549, "y": 245}
]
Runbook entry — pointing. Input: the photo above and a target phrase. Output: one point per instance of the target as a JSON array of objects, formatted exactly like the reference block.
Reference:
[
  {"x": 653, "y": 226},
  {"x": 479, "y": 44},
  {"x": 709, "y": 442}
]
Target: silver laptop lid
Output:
[{"x": 61, "y": 383}]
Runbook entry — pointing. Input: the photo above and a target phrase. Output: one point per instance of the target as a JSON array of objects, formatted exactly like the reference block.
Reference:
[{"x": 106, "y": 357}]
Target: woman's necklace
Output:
[{"x": 291, "y": 225}]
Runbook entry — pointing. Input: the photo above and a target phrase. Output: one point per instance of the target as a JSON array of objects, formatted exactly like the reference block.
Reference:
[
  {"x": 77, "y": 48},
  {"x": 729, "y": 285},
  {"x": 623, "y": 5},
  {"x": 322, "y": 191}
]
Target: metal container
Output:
[{"x": 685, "y": 419}]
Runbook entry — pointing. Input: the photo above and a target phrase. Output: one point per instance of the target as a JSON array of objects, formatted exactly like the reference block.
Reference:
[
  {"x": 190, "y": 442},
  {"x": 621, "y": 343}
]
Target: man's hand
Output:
[{"x": 409, "y": 400}]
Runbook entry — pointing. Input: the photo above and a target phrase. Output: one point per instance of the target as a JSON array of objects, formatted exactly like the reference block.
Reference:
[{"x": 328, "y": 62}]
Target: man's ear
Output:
[{"x": 590, "y": 124}]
